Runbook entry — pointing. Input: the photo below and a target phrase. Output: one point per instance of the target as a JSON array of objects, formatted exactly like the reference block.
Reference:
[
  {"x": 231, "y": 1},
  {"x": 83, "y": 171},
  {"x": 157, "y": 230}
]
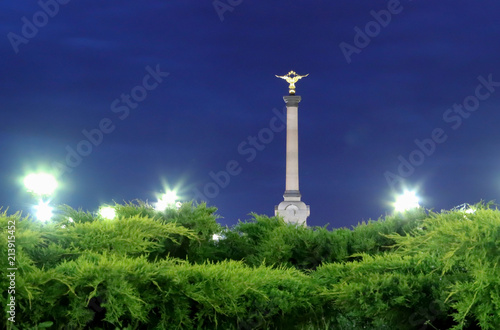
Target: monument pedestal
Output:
[{"x": 293, "y": 211}]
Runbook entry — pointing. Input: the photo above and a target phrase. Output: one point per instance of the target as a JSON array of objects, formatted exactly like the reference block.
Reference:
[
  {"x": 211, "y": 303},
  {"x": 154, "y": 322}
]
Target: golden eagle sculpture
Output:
[{"x": 292, "y": 78}]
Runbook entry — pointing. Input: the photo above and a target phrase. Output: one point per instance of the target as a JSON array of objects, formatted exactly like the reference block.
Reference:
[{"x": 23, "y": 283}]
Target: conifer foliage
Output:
[{"x": 180, "y": 269}]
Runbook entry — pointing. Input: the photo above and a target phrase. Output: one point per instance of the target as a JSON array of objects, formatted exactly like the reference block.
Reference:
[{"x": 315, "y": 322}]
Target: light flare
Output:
[
  {"x": 407, "y": 201},
  {"x": 43, "y": 211},
  {"x": 107, "y": 212},
  {"x": 167, "y": 200},
  {"x": 42, "y": 184}
]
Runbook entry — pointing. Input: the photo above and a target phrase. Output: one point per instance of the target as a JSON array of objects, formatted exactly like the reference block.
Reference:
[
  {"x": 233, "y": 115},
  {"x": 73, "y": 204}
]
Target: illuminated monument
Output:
[{"x": 292, "y": 209}]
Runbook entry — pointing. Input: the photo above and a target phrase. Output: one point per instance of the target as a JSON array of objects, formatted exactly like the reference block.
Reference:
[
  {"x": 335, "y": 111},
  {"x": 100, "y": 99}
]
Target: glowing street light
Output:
[
  {"x": 107, "y": 212},
  {"x": 167, "y": 200},
  {"x": 43, "y": 211},
  {"x": 407, "y": 201},
  {"x": 42, "y": 184}
]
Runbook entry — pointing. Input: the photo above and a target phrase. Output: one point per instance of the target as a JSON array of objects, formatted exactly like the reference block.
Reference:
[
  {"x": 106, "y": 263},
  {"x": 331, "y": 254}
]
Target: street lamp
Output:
[
  {"x": 167, "y": 200},
  {"x": 407, "y": 201},
  {"x": 41, "y": 185},
  {"x": 43, "y": 211},
  {"x": 107, "y": 212}
]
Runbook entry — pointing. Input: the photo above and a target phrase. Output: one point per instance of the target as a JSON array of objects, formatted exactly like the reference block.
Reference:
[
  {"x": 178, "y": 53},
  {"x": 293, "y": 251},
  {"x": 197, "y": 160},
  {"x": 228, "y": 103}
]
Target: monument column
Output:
[
  {"x": 292, "y": 209},
  {"x": 292, "y": 148}
]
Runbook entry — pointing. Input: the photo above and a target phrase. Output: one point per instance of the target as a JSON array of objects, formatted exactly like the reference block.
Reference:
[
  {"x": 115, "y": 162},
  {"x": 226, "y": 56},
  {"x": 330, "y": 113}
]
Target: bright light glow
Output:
[
  {"x": 217, "y": 237},
  {"x": 166, "y": 200},
  {"x": 43, "y": 211},
  {"x": 40, "y": 183},
  {"x": 407, "y": 201},
  {"x": 107, "y": 212},
  {"x": 170, "y": 197}
]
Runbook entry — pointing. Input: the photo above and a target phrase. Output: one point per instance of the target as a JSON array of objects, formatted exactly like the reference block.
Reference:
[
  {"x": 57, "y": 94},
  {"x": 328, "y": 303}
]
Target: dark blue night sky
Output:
[{"x": 125, "y": 97}]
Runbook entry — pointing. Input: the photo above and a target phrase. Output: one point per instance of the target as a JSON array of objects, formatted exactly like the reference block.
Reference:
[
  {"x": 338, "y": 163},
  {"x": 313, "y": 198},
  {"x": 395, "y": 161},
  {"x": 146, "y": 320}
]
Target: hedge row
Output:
[{"x": 164, "y": 270}]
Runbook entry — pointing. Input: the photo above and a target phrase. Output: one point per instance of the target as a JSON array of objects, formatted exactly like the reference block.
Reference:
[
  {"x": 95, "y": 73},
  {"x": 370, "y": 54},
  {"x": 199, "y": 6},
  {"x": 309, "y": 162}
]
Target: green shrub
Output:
[
  {"x": 164, "y": 270},
  {"x": 273, "y": 242},
  {"x": 466, "y": 245},
  {"x": 386, "y": 291}
]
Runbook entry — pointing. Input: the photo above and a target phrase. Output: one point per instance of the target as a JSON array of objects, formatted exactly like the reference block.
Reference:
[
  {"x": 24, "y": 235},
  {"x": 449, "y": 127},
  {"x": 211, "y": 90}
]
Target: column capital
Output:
[{"x": 292, "y": 100}]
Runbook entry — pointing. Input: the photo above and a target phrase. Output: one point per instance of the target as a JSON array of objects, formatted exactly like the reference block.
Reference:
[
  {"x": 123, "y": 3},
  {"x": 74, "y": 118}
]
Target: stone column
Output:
[
  {"x": 292, "y": 148},
  {"x": 292, "y": 209}
]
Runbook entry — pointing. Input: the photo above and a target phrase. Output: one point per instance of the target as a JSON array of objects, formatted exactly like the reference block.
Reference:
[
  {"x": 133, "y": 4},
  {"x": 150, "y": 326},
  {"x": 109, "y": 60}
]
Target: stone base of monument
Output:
[{"x": 292, "y": 209}]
